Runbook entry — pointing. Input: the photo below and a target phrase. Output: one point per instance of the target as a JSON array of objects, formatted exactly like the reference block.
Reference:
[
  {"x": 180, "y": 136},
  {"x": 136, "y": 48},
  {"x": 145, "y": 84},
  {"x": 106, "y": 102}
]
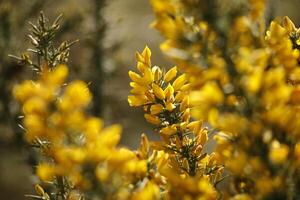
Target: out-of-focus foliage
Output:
[
  {"x": 14, "y": 24},
  {"x": 11, "y": 32},
  {"x": 245, "y": 84},
  {"x": 79, "y": 158},
  {"x": 81, "y": 20}
]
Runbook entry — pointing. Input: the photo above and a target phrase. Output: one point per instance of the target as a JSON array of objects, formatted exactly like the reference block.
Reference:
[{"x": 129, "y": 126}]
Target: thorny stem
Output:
[
  {"x": 98, "y": 74},
  {"x": 42, "y": 38},
  {"x": 61, "y": 186},
  {"x": 185, "y": 151}
]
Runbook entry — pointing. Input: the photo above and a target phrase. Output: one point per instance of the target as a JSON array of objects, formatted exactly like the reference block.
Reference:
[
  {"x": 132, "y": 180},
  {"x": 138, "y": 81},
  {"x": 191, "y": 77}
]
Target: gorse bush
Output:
[
  {"x": 245, "y": 84},
  {"x": 236, "y": 81}
]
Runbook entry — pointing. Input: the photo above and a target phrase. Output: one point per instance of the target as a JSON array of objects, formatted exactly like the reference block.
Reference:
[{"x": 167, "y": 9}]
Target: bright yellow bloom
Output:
[
  {"x": 170, "y": 74},
  {"x": 158, "y": 92},
  {"x": 74, "y": 144},
  {"x": 247, "y": 88},
  {"x": 179, "y": 82},
  {"x": 278, "y": 152},
  {"x": 167, "y": 105},
  {"x": 156, "y": 109},
  {"x": 46, "y": 172},
  {"x": 149, "y": 192}
]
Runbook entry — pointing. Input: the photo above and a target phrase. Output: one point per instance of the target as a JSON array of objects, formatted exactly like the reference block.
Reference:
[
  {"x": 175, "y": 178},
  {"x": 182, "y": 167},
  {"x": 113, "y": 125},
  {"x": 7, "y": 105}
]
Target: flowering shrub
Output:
[
  {"x": 244, "y": 82},
  {"x": 238, "y": 77}
]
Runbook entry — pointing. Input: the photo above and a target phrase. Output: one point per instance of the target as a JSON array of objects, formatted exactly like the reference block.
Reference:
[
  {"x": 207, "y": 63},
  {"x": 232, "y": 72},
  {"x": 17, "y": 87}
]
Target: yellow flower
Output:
[
  {"x": 169, "y": 130},
  {"x": 210, "y": 93},
  {"x": 25, "y": 91},
  {"x": 152, "y": 119},
  {"x": 137, "y": 100},
  {"x": 145, "y": 146},
  {"x": 278, "y": 152},
  {"x": 167, "y": 105},
  {"x": 149, "y": 192},
  {"x": 102, "y": 174},
  {"x": 158, "y": 92},
  {"x": 171, "y": 74},
  {"x": 170, "y": 106},
  {"x": 46, "y": 172},
  {"x": 288, "y": 24},
  {"x": 156, "y": 109},
  {"x": 35, "y": 105},
  {"x": 134, "y": 76},
  {"x": 179, "y": 82},
  {"x": 169, "y": 92},
  {"x": 147, "y": 56},
  {"x": 92, "y": 128},
  {"x": 111, "y": 135},
  {"x": 76, "y": 96},
  {"x": 195, "y": 126},
  {"x": 56, "y": 77},
  {"x": 69, "y": 156},
  {"x": 33, "y": 123}
]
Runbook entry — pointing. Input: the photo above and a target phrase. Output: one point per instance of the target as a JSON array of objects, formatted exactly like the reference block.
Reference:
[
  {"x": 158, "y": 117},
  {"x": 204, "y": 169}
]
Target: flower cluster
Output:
[
  {"x": 80, "y": 157},
  {"x": 239, "y": 77},
  {"x": 190, "y": 172},
  {"x": 197, "y": 33},
  {"x": 245, "y": 84}
]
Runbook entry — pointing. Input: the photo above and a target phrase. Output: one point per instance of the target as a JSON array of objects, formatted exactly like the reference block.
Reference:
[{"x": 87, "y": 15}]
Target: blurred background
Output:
[{"x": 110, "y": 31}]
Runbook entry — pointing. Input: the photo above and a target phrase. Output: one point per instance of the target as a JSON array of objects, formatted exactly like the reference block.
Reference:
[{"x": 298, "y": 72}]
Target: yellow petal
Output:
[
  {"x": 134, "y": 76},
  {"x": 141, "y": 67},
  {"x": 147, "y": 55},
  {"x": 46, "y": 172},
  {"x": 150, "y": 96},
  {"x": 185, "y": 103},
  {"x": 138, "y": 89},
  {"x": 170, "y": 74},
  {"x": 157, "y": 73},
  {"x": 158, "y": 92},
  {"x": 145, "y": 145},
  {"x": 186, "y": 115},
  {"x": 35, "y": 105},
  {"x": 186, "y": 87},
  {"x": 57, "y": 76},
  {"x": 111, "y": 135},
  {"x": 288, "y": 24},
  {"x": 78, "y": 90},
  {"x": 169, "y": 130},
  {"x": 26, "y": 90},
  {"x": 195, "y": 126},
  {"x": 148, "y": 76},
  {"x": 278, "y": 152},
  {"x": 137, "y": 100},
  {"x": 179, "y": 96},
  {"x": 169, "y": 91},
  {"x": 202, "y": 137},
  {"x": 170, "y": 106},
  {"x": 139, "y": 57},
  {"x": 179, "y": 82},
  {"x": 156, "y": 108},
  {"x": 152, "y": 119}
]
